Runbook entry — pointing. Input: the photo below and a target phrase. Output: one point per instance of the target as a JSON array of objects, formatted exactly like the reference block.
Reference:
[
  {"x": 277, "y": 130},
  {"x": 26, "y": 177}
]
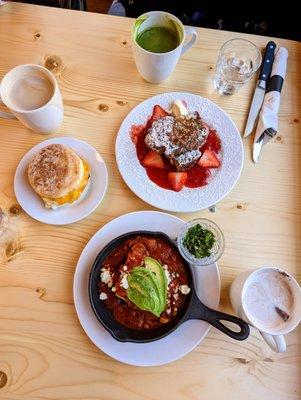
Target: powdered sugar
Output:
[
  {"x": 158, "y": 135},
  {"x": 188, "y": 157}
]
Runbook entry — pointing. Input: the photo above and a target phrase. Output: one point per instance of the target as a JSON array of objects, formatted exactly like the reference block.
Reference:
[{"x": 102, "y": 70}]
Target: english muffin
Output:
[{"x": 58, "y": 175}]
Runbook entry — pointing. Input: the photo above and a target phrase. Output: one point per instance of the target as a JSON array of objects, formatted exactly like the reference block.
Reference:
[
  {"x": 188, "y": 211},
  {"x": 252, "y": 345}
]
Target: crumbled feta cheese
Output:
[
  {"x": 106, "y": 277},
  {"x": 103, "y": 296},
  {"x": 168, "y": 311},
  {"x": 124, "y": 282},
  {"x": 167, "y": 276},
  {"x": 176, "y": 296},
  {"x": 184, "y": 289},
  {"x": 165, "y": 266},
  {"x": 113, "y": 289},
  {"x": 125, "y": 267}
]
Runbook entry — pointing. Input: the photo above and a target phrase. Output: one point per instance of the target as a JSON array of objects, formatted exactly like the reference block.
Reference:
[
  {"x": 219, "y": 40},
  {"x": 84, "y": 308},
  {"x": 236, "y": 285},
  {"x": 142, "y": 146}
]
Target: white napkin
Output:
[{"x": 268, "y": 117}]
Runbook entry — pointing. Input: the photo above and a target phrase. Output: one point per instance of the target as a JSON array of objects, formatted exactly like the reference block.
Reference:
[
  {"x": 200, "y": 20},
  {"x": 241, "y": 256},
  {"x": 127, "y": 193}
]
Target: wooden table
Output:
[{"x": 44, "y": 353}]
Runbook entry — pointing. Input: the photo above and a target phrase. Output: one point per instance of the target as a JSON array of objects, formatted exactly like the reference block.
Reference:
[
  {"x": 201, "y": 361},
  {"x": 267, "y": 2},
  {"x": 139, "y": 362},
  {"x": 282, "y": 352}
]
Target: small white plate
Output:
[
  {"x": 187, "y": 200},
  {"x": 32, "y": 203},
  {"x": 172, "y": 347}
]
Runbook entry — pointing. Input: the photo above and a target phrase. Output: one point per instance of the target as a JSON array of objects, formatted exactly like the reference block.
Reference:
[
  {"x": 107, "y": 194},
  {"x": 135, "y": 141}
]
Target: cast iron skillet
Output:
[{"x": 193, "y": 308}]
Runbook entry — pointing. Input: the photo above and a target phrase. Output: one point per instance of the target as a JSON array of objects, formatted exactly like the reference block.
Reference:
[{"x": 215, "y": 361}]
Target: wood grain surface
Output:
[{"x": 44, "y": 353}]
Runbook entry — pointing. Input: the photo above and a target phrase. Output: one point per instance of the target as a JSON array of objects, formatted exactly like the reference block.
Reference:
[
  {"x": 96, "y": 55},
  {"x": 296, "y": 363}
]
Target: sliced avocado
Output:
[
  {"x": 148, "y": 297},
  {"x": 154, "y": 266},
  {"x": 134, "y": 284},
  {"x": 144, "y": 303},
  {"x": 159, "y": 306},
  {"x": 149, "y": 275},
  {"x": 148, "y": 282},
  {"x": 144, "y": 291}
]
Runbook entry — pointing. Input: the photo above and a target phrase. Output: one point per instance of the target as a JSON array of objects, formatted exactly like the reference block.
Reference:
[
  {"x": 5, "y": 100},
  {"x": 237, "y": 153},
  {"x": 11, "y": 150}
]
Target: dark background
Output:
[{"x": 270, "y": 18}]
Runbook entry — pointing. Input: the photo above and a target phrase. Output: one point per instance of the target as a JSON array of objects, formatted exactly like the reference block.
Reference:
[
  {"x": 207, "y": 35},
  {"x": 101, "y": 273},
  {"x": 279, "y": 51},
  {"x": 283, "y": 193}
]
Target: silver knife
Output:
[{"x": 261, "y": 87}]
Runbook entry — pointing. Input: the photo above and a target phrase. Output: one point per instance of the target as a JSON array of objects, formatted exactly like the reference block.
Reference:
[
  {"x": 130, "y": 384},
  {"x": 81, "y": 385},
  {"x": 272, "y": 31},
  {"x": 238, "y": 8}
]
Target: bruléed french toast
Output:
[{"x": 178, "y": 138}]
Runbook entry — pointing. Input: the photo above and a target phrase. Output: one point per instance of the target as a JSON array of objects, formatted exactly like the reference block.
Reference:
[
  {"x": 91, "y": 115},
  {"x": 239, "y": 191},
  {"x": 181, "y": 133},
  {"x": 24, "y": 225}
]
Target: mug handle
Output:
[
  {"x": 276, "y": 342},
  {"x": 189, "y": 32},
  {"x": 4, "y": 114}
]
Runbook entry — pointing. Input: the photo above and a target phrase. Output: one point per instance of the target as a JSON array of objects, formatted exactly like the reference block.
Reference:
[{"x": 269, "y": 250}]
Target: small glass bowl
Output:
[{"x": 216, "y": 251}]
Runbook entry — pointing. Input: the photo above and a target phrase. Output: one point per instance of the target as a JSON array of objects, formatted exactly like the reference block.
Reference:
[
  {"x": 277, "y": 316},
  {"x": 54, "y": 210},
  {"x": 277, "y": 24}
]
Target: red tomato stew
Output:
[{"x": 116, "y": 269}]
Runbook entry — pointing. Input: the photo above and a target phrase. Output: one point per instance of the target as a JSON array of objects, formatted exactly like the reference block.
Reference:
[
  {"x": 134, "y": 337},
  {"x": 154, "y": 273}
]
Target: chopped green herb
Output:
[{"x": 199, "y": 241}]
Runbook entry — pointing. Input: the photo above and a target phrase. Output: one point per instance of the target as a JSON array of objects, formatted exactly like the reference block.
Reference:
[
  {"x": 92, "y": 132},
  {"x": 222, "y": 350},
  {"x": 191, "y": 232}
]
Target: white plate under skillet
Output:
[
  {"x": 187, "y": 200},
  {"x": 33, "y": 205},
  {"x": 172, "y": 347}
]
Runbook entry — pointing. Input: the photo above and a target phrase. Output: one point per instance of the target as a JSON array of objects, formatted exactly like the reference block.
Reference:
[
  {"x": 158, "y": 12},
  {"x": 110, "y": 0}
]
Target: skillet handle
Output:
[{"x": 215, "y": 317}]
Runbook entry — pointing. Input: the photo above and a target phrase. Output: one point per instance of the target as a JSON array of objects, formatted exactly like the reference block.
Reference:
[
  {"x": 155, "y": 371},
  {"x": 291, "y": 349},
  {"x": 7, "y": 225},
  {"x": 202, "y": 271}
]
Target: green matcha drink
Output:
[
  {"x": 158, "y": 43},
  {"x": 158, "y": 39}
]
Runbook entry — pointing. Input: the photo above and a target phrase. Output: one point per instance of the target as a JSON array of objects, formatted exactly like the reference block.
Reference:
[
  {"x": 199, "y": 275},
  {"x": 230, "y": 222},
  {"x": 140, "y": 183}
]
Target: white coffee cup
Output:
[
  {"x": 274, "y": 336},
  {"x": 156, "y": 67},
  {"x": 32, "y": 95}
]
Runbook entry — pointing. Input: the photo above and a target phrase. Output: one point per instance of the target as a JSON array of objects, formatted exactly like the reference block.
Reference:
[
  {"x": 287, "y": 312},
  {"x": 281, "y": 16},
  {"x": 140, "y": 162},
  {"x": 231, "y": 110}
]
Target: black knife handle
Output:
[{"x": 267, "y": 61}]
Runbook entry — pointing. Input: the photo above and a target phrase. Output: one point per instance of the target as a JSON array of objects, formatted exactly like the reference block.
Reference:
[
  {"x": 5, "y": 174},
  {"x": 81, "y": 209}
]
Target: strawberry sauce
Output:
[{"x": 197, "y": 176}]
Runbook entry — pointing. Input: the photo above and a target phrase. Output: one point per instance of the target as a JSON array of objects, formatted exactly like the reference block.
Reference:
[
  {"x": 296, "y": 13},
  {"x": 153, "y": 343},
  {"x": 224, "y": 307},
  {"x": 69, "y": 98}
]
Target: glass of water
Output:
[{"x": 237, "y": 62}]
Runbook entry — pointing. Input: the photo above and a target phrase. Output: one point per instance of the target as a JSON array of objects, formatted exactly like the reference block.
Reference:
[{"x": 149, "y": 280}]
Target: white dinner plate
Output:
[
  {"x": 33, "y": 205},
  {"x": 187, "y": 200},
  {"x": 170, "y": 348}
]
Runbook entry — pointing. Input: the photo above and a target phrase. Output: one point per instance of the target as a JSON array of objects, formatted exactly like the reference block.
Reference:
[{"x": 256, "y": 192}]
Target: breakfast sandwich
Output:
[{"x": 58, "y": 175}]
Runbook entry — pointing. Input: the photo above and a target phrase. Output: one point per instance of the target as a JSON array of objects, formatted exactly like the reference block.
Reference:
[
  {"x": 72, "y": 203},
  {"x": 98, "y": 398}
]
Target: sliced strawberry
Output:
[
  {"x": 136, "y": 131},
  {"x": 209, "y": 159},
  {"x": 213, "y": 142},
  {"x": 158, "y": 112},
  {"x": 153, "y": 159},
  {"x": 177, "y": 180}
]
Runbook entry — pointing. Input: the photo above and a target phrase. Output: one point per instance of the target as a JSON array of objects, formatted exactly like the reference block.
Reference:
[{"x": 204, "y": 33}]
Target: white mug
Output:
[
  {"x": 156, "y": 67},
  {"x": 32, "y": 95},
  {"x": 273, "y": 337}
]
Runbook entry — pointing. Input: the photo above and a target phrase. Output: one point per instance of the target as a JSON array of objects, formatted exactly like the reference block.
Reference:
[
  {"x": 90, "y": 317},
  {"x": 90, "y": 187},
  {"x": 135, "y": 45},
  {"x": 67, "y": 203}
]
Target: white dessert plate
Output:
[{"x": 187, "y": 200}]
